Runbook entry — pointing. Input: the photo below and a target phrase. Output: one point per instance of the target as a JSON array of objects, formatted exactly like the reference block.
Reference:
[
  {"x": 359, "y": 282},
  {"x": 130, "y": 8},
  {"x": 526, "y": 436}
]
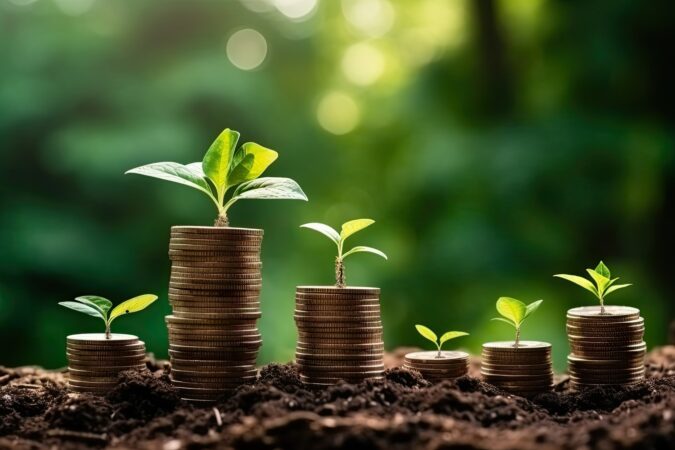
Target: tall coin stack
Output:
[
  {"x": 214, "y": 292},
  {"x": 525, "y": 370},
  {"x": 606, "y": 349},
  {"x": 339, "y": 334},
  {"x": 94, "y": 362},
  {"x": 433, "y": 368}
]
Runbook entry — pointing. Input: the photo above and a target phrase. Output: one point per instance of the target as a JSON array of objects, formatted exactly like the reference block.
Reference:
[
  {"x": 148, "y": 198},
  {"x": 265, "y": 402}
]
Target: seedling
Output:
[
  {"x": 225, "y": 167},
  {"x": 98, "y": 307},
  {"x": 348, "y": 229},
  {"x": 514, "y": 313},
  {"x": 604, "y": 283},
  {"x": 428, "y": 334}
]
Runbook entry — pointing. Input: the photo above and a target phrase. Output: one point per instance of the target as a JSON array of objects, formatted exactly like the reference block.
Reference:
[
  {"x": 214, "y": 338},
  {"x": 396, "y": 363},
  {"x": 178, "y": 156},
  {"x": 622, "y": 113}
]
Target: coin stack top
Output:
[
  {"x": 339, "y": 334},
  {"x": 95, "y": 362},
  {"x": 606, "y": 349},
  {"x": 525, "y": 370},
  {"x": 450, "y": 364},
  {"x": 214, "y": 293}
]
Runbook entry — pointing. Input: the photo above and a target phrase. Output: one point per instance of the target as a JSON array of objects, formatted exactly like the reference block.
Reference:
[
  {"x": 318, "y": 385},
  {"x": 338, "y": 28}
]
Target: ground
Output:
[{"x": 400, "y": 411}]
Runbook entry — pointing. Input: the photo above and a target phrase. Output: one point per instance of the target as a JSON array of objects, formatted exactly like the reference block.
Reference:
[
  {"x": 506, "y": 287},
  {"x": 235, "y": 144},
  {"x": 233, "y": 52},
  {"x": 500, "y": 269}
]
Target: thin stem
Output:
[
  {"x": 439, "y": 351},
  {"x": 517, "y": 337},
  {"x": 107, "y": 330},
  {"x": 339, "y": 272},
  {"x": 602, "y": 305}
]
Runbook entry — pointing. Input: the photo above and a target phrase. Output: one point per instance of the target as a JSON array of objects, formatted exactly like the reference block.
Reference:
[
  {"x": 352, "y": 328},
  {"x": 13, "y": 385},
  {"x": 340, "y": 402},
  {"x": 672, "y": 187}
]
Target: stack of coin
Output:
[
  {"x": 606, "y": 349},
  {"x": 525, "y": 370},
  {"x": 339, "y": 334},
  {"x": 214, "y": 292},
  {"x": 435, "y": 367},
  {"x": 94, "y": 362}
]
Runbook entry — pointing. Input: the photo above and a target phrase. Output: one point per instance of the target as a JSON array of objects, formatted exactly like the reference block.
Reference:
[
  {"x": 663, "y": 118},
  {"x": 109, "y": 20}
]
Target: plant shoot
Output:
[
  {"x": 348, "y": 229},
  {"x": 428, "y": 334},
  {"x": 98, "y": 307},
  {"x": 604, "y": 283},
  {"x": 226, "y": 167},
  {"x": 514, "y": 312}
]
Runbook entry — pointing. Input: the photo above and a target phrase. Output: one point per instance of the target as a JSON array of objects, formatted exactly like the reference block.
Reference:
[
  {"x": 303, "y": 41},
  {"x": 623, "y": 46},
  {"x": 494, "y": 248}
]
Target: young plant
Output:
[
  {"x": 225, "y": 167},
  {"x": 604, "y": 283},
  {"x": 515, "y": 312},
  {"x": 428, "y": 334},
  {"x": 98, "y": 307},
  {"x": 348, "y": 229}
]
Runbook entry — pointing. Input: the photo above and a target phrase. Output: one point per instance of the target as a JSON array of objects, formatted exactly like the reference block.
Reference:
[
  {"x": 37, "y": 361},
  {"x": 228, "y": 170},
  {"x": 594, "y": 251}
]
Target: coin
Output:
[
  {"x": 337, "y": 299},
  {"x": 100, "y": 338},
  {"x": 213, "y": 354},
  {"x": 217, "y": 266},
  {"x": 227, "y": 231},
  {"x": 220, "y": 293},
  {"x": 333, "y": 289},
  {"x": 207, "y": 322}
]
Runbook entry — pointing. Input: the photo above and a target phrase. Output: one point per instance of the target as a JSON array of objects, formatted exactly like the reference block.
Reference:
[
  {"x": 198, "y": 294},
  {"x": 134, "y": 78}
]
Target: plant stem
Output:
[
  {"x": 339, "y": 272},
  {"x": 107, "y": 330},
  {"x": 221, "y": 221},
  {"x": 602, "y": 305},
  {"x": 517, "y": 338},
  {"x": 439, "y": 352}
]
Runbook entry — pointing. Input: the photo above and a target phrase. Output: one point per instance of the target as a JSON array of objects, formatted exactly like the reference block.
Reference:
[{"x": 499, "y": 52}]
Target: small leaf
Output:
[
  {"x": 579, "y": 281},
  {"x": 603, "y": 270},
  {"x": 94, "y": 300},
  {"x": 177, "y": 173},
  {"x": 132, "y": 305},
  {"x": 616, "y": 288},
  {"x": 323, "y": 229},
  {"x": 452, "y": 335},
  {"x": 532, "y": 307},
  {"x": 269, "y": 188},
  {"x": 363, "y": 248},
  {"x": 501, "y": 319},
  {"x": 600, "y": 280},
  {"x": 81, "y": 307},
  {"x": 218, "y": 158},
  {"x": 512, "y": 309},
  {"x": 427, "y": 333},
  {"x": 250, "y": 162},
  {"x": 353, "y": 226}
]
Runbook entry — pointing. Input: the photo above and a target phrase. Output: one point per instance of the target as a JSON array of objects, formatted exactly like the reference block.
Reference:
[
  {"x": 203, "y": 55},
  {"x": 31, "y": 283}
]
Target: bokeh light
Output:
[
  {"x": 74, "y": 7},
  {"x": 247, "y": 49},
  {"x": 295, "y": 9},
  {"x": 338, "y": 113},
  {"x": 363, "y": 64},
  {"x": 370, "y": 17}
]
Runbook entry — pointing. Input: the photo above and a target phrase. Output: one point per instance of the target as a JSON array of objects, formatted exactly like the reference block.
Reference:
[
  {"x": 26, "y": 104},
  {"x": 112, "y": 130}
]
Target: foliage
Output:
[
  {"x": 96, "y": 306},
  {"x": 604, "y": 283},
  {"x": 514, "y": 312},
  {"x": 428, "y": 334},
  {"x": 224, "y": 167}
]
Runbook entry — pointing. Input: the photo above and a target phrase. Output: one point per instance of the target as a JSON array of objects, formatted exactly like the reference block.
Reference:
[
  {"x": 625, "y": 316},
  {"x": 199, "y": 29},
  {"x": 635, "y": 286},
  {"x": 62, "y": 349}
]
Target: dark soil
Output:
[{"x": 400, "y": 411}]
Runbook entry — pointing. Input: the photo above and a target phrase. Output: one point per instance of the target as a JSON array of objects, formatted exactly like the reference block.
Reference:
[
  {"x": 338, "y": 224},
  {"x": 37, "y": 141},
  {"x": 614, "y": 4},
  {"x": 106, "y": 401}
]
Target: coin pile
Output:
[
  {"x": 438, "y": 368},
  {"x": 606, "y": 349},
  {"x": 523, "y": 371},
  {"x": 339, "y": 334},
  {"x": 214, "y": 293},
  {"x": 94, "y": 362}
]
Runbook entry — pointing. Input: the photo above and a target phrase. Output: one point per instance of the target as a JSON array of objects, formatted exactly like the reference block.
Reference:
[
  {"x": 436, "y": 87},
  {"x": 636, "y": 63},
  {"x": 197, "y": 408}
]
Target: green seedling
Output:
[
  {"x": 604, "y": 283},
  {"x": 514, "y": 312},
  {"x": 98, "y": 307},
  {"x": 225, "y": 167},
  {"x": 348, "y": 229},
  {"x": 428, "y": 334}
]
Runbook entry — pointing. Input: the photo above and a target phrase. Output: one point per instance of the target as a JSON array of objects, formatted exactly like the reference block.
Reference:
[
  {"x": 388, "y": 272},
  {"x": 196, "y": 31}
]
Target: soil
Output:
[{"x": 277, "y": 412}]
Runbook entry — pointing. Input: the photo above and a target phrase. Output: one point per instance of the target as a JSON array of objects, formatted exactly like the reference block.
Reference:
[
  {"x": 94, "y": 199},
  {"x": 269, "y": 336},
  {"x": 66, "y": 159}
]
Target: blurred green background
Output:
[{"x": 494, "y": 142}]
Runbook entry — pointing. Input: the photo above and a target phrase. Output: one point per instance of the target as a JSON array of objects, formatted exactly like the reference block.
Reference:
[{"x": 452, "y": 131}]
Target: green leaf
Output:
[
  {"x": 323, "y": 229},
  {"x": 452, "y": 335},
  {"x": 616, "y": 288},
  {"x": 132, "y": 305},
  {"x": 579, "y": 281},
  {"x": 512, "y": 309},
  {"x": 363, "y": 248},
  {"x": 601, "y": 281},
  {"x": 218, "y": 158},
  {"x": 532, "y": 307},
  {"x": 98, "y": 302},
  {"x": 250, "y": 162},
  {"x": 269, "y": 188},
  {"x": 501, "y": 319},
  {"x": 603, "y": 270},
  {"x": 86, "y": 309},
  {"x": 177, "y": 173},
  {"x": 427, "y": 333},
  {"x": 353, "y": 226}
]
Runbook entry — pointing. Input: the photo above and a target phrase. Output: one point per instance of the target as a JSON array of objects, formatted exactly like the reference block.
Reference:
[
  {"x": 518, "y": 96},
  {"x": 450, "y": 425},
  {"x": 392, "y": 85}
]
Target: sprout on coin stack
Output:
[
  {"x": 95, "y": 359},
  {"x": 606, "y": 342},
  {"x": 339, "y": 327},
  {"x": 438, "y": 365},
  {"x": 216, "y": 277},
  {"x": 520, "y": 367}
]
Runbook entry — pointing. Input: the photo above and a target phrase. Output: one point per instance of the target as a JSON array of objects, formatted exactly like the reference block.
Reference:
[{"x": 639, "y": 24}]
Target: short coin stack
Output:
[
  {"x": 606, "y": 349},
  {"x": 214, "y": 292},
  {"x": 339, "y": 334},
  {"x": 94, "y": 362},
  {"x": 523, "y": 371},
  {"x": 438, "y": 368}
]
